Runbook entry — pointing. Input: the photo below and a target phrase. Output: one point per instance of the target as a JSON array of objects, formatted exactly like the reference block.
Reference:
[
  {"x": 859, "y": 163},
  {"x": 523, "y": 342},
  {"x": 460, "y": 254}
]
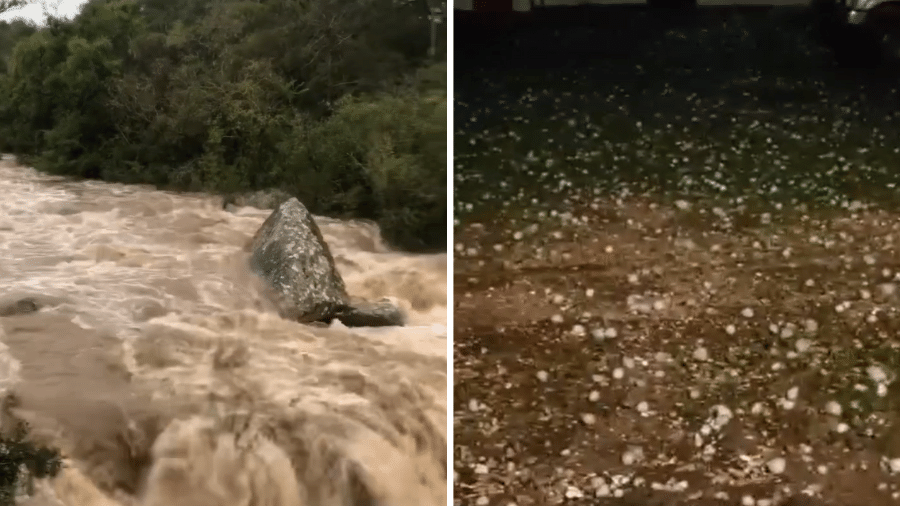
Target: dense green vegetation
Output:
[{"x": 339, "y": 102}]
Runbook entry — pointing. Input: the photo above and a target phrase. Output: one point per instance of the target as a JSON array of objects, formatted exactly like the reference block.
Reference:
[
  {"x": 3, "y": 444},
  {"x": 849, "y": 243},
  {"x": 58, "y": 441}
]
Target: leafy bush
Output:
[
  {"x": 381, "y": 157},
  {"x": 314, "y": 98},
  {"x": 17, "y": 452}
]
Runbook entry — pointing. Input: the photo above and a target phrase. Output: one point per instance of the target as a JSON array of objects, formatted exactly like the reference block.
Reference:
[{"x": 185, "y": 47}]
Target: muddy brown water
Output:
[{"x": 160, "y": 370}]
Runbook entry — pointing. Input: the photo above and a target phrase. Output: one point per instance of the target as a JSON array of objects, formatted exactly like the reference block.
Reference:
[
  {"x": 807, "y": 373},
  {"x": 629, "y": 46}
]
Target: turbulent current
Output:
[{"x": 158, "y": 368}]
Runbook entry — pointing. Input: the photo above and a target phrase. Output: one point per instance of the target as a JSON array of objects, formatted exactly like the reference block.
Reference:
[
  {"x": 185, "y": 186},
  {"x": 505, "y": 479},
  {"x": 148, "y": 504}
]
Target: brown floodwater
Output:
[{"x": 158, "y": 367}]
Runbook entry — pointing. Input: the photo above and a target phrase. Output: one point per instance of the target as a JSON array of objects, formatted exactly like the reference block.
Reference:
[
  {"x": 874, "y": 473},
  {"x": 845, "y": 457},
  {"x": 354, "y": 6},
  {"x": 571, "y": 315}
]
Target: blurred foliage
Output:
[
  {"x": 340, "y": 102},
  {"x": 19, "y": 459}
]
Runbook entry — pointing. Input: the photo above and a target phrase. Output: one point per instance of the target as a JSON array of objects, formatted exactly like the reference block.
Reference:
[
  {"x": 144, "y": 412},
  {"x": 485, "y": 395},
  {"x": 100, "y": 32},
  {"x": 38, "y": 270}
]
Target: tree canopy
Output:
[{"x": 339, "y": 102}]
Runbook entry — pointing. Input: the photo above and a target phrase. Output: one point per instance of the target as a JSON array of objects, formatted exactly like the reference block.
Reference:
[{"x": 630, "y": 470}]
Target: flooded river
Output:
[{"x": 165, "y": 377}]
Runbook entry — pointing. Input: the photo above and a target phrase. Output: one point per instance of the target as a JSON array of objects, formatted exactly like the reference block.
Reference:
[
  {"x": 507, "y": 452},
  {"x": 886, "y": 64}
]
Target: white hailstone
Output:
[
  {"x": 498, "y": 248},
  {"x": 757, "y": 408},
  {"x": 881, "y": 390},
  {"x": 869, "y": 259},
  {"x": 776, "y": 465},
  {"x": 748, "y": 500},
  {"x": 602, "y": 491},
  {"x": 765, "y": 218},
  {"x": 628, "y": 362},
  {"x": 865, "y": 294},
  {"x": 558, "y": 299},
  {"x": 589, "y": 293},
  {"x": 573, "y": 492},
  {"x": 472, "y": 252},
  {"x": 842, "y": 428},
  {"x": 618, "y": 373},
  {"x": 877, "y": 374},
  {"x": 757, "y": 245},
  {"x": 609, "y": 249},
  {"x": 792, "y": 393},
  {"x": 659, "y": 305},
  {"x": 722, "y": 414},
  {"x": 578, "y": 330},
  {"x": 787, "y": 332},
  {"x": 473, "y": 405},
  {"x": 787, "y": 404},
  {"x": 747, "y": 312},
  {"x": 632, "y": 455},
  {"x": 810, "y": 283},
  {"x": 822, "y": 469},
  {"x": 594, "y": 396},
  {"x": 803, "y": 345},
  {"x": 610, "y": 333},
  {"x": 643, "y": 407},
  {"x": 557, "y": 318},
  {"x": 840, "y": 308},
  {"x": 588, "y": 419},
  {"x": 694, "y": 393},
  {"x": 888, "y": 289},
  {"x": 633, "y": 279},
  {"x": 886, "y": 272},
  {"x": 701, "y": 354},
  {"x": 872, "y": 318},
  {"x": 682, "y": 204},
  {"x": 894, "y": 465},
  {"x": 811, "y": 325},
  {"x": 598, "y": 334},
  {"x": 543, "y": 376},
  {"x": 773, "y": 328},
  {"x": 518, "y": 236},
  {"x": 481, "y": 469},
  {"x": 833, "y": 408},
  {"x": 730, "y": 330},
  {"x": 482, "y": 501},
  {"x": 786, "y": 253}
]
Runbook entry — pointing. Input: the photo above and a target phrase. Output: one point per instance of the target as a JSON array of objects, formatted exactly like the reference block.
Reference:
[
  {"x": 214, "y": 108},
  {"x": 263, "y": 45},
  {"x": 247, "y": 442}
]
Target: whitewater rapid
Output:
[{"x": 159, "y": 368}]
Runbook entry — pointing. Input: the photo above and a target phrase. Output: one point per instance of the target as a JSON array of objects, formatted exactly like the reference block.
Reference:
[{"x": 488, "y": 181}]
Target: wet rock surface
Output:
[
  {"x": 290, "y": 253},
  {"x": 382, "y": 313},
  {"x": 19, "y": 307}
]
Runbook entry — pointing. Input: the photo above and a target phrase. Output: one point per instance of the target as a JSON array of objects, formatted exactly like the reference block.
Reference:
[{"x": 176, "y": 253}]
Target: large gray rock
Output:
[{"x": 288, "y": 251}]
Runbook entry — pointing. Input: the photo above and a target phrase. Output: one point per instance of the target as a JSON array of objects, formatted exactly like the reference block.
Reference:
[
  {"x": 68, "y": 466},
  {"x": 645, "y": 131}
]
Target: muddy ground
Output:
[{"x": 675, "y": 284}]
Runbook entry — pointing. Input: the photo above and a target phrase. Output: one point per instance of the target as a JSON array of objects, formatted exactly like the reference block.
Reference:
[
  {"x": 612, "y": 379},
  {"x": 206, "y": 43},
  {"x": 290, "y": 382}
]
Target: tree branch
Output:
[{"x": 8, "y": 5}]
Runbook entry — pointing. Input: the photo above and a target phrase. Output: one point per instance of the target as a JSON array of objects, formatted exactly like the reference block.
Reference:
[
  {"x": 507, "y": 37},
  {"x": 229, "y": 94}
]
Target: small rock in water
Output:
[
  {"x": 20, "y": 307},
  {"x": 382, "y": 313}
]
